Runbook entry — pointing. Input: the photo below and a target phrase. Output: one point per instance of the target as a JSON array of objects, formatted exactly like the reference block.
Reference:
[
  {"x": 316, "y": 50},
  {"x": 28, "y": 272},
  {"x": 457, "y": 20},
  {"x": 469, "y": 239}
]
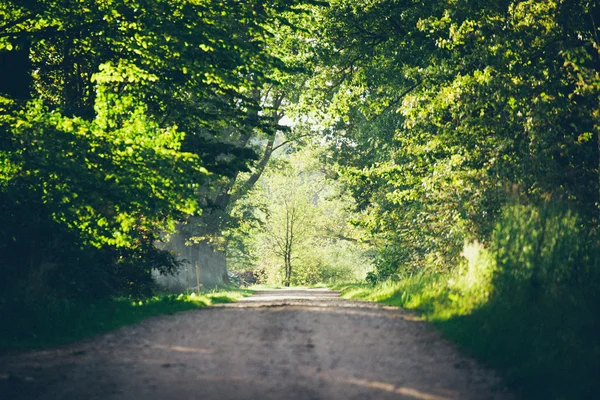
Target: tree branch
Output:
[{"x": 289, "y": 141}]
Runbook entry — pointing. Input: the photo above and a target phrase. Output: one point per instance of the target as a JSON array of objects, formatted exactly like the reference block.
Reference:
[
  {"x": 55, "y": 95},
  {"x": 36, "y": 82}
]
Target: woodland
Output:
[{"x": 438, "y": 155}]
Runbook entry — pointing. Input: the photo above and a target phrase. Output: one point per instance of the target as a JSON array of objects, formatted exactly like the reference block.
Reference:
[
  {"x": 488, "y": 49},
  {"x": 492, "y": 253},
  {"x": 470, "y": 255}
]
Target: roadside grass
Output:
[
  {"x": 548, "y": 349},
  {"x": 526, "y": 304},
  {"x": 42, "y": 324}
]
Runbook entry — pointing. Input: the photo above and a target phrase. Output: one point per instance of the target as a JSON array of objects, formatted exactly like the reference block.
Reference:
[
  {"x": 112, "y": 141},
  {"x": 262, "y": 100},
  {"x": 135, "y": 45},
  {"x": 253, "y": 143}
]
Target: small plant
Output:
[{"x": 371, "y": 278}]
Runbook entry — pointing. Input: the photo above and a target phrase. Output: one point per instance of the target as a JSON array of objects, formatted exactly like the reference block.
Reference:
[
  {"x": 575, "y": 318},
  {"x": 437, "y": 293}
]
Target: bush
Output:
[{"x": 44, "y": 259}]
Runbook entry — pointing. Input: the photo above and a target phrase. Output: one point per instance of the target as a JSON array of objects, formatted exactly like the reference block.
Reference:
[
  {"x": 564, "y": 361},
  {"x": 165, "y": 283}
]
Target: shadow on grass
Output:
[
  {"x": 544, "y": 350},
  {"x": 35, "y": 325},
  {"x": 546, "y": 354}
]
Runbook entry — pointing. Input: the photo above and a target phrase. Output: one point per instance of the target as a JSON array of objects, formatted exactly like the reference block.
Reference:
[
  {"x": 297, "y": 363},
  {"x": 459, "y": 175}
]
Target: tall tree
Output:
[
  {"x": 439, "y": 111},
  {"x": 118, "y": 116}
]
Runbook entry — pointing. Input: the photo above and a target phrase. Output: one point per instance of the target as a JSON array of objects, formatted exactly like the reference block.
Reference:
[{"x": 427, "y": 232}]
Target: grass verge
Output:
[
  {"x": 42, "y": 324},
  {"x": 527, "y": 303},
  {"x": 542, "y": 351}
]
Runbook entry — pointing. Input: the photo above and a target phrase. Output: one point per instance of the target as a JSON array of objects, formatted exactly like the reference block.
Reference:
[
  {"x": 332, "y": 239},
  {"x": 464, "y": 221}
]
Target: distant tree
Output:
[
  {"x": 298, "y": 225},
  {"x": 290, "y": 219}
]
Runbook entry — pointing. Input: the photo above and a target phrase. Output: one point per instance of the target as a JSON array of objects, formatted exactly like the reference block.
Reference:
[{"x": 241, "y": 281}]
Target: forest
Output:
[{"x": 442, "y": 156}]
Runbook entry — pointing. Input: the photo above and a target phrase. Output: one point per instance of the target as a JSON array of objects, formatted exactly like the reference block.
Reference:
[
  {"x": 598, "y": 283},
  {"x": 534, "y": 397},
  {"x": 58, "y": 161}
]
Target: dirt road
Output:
[{"x": 279, "y": 344}]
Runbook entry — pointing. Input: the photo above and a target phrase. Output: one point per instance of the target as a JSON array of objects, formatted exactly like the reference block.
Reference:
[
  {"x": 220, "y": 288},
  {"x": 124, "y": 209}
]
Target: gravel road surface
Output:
[{"x": 277, "y": 344}]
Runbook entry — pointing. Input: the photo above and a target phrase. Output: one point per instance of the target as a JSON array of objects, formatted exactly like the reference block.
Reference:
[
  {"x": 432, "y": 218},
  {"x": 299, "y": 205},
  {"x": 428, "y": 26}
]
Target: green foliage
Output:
[
  {"x": 527, "y": 305},
  {"x": 298, "y": 230},
  {"x": 456, "y": 122},
  {"x": 97, "y": 190},
  {"x": 545, "y": 246},
  {"x": 41, "y": 323},
  {"x": 114, "y": 121},
  {"x": 105, "y": 177},
  {"x": 438, "y": 113},
  {"x": 445, "y": 123}
]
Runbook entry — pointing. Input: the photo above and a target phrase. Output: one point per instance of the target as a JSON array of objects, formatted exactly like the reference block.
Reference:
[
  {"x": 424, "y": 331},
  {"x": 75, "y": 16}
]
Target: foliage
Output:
[
  {"x": 263, "y": 132},
  {"x": 115, "y": 119},
  {"x": 456, "y": 122},
  {"x": 90, "y": 189},
  {"x": 298, "y": 230},
  {"x": 441, "y": 122},
  {"x": 439, "y": 114},
  {"x": 526, "y": 305}
]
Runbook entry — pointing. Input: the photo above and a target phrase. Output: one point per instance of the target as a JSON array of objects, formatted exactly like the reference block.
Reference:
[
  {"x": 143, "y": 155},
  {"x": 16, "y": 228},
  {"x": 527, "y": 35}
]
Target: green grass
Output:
[
  {"x": 547, "y": 351},
  {"x": 527, "y": 304},
  {"x": 36, "y": 325}
]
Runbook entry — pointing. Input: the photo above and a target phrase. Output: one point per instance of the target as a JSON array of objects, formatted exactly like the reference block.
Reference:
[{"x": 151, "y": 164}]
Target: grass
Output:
[
  {"x": 543, "y": 352},
  {"x": 36, "y": 325},
  {"x": 424, "y": 293},
  {"x": 527, "y": 304}
]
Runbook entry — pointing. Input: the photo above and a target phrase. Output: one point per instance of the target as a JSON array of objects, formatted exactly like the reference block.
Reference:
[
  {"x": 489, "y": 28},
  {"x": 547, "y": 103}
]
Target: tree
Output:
[
  {"x": 118, "y": 117},
  {"x": 289, "y": 222},
  {"x": 298, "y": 225},
  {"x": 439, "y": 112},
  {"x": 277, "y": 98}
]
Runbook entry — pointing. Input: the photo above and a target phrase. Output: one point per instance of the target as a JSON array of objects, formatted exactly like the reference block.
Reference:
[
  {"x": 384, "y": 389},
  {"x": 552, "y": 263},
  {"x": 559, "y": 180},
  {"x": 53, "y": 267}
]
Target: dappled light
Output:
[{"x": 248, "y": 190}]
